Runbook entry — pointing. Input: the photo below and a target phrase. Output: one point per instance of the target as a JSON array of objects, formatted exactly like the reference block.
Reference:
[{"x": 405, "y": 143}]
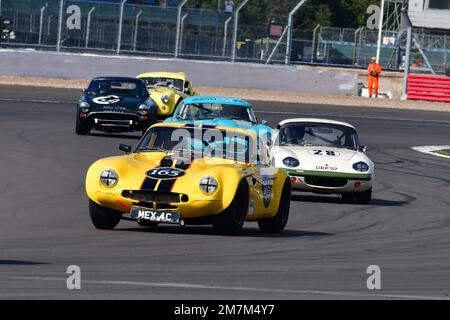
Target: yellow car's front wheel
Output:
[
  {"x": 102, "y": 217},
  {"x": 278, "y": 223},
  {"x": 232, "y": 219}
]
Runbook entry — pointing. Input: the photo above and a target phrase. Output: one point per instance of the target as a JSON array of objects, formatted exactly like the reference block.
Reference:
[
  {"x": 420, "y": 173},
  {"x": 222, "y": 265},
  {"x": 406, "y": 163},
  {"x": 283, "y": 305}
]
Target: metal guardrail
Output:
[{"x": 122, "y": 28}]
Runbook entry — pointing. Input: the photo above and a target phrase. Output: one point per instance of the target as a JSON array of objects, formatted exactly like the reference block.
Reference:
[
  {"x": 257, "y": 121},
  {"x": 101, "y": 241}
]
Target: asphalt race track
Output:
[{"x": 324, "y": 252}]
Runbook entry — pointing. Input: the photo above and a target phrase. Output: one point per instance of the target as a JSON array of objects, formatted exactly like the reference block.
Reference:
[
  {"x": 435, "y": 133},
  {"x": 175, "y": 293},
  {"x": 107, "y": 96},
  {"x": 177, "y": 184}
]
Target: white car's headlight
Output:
[
  {"x": 165, "y": 98},
  {"x": 109, "y": 178},
  {"x": 85, "y": 107},
  {"x": 361, "y": 166},
  {"x": 143, "y": 109},
  {"x": 291, "y": 162},
  {"x": 208, "y": 184}
]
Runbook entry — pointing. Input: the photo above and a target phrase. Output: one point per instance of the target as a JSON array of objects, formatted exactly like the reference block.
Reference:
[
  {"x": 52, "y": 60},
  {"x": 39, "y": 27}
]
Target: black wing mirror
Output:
[
  {"x": 125, "y": 148},
  {"x": 363, "y": 148}
]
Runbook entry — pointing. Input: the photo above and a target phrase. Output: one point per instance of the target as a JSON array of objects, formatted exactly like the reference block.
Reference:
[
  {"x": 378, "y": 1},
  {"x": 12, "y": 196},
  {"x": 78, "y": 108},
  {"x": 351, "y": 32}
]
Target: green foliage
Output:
[
  {"x": 257, "y": 14},
  {"x": 336, "y": 13}
]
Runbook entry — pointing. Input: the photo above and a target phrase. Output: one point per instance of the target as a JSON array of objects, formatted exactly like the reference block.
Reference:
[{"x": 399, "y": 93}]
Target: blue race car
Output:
[{"x": 220, "y": 111}]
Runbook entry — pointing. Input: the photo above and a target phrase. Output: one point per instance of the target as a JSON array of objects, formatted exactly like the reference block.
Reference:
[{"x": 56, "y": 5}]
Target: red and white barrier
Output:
[{"x": 430, "y": 88}]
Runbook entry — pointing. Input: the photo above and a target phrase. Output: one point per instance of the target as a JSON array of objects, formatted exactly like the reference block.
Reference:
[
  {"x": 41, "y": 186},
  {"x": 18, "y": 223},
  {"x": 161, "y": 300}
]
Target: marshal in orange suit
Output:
[{"x": 374, "y": 71}]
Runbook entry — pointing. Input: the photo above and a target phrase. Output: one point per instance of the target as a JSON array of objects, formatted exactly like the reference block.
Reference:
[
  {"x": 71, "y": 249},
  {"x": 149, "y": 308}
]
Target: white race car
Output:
[{"x": 323, "y": 156}]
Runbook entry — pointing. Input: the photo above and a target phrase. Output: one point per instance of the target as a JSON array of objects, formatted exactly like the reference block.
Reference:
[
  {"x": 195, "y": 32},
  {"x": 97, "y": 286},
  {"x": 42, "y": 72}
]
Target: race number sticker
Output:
[
  {"x": 318, "y": 152},
  {"x": 111, "y": 99},
  {"x": 267, "y": 190},
  {"x": 165, "y": 173}
]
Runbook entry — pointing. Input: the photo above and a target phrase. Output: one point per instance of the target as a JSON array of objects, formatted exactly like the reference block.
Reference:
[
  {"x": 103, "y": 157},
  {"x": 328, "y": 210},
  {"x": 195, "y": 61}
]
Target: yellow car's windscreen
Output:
[
  {"x": 203, "y": 142},
  {"x": 177, "y": 84}
]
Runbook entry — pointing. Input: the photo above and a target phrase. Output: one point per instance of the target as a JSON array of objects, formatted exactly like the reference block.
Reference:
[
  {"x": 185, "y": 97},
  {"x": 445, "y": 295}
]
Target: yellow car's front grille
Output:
[{"x": 155, "y": 196}]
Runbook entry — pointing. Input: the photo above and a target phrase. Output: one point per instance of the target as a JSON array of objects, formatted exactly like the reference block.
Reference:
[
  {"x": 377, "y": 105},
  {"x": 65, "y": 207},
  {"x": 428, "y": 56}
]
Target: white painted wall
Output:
[{"x": 423, "y": 17}]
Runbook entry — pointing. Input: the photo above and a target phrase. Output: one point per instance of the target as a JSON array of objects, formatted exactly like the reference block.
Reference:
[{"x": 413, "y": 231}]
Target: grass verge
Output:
[{"x": 444, "y": 152}]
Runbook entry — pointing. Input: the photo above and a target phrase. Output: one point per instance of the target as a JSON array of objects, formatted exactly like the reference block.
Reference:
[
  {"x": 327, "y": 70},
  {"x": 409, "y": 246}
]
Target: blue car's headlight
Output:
[
  {"x": 291, "y": 162},
  {"x": 361, "y": 166},
  {"x": 84, "y": 107},
  {"x": 143, "y": 109}
]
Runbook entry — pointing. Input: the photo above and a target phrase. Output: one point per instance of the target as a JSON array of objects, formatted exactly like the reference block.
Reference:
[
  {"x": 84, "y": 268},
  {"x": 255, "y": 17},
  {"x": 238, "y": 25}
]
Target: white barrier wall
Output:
[{"x": 202, "y": 73}]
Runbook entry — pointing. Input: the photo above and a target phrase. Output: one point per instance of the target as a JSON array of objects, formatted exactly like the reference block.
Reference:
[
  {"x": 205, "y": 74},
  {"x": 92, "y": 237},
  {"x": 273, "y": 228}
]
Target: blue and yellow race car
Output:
[{"x": 214, "y": 111}]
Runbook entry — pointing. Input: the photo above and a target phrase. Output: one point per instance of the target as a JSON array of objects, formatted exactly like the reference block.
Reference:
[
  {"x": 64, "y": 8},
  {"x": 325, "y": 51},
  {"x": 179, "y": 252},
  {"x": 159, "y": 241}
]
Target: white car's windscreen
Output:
[{"x": 318, "y": 134}]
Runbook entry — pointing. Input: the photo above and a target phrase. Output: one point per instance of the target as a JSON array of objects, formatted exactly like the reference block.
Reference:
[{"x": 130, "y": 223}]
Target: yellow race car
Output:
[
  {"x": 167, "y": 89},
  {"x": 184, "y": 174}
]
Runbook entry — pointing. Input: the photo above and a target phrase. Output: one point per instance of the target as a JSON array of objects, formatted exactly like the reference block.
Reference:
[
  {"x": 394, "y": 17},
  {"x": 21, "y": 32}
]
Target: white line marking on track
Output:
[
  {"x": 350, "y": 116},
  {"x": 263, "y": 112},
  {"x": 225, "y": 288},
  {"x": 430, "y": 149},
  {"x": 35, "y": 101}
]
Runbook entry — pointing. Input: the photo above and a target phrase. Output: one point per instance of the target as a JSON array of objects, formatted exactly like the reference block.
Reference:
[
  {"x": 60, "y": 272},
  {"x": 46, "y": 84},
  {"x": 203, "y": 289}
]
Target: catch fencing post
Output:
[
  {"x": 276, "y": 46},
  {"x": 314, "y": 44},
  {"x": 225, "y": 35},
  {"x": 236, "y": 18},
  {"x": 60, "y": 22},
  {"x": 380, "y": 30},
  {"x": 136, "y": 29},
  {"x": 41, "y": 23},
  {"x": 287, "y": 59},
  {"x": 182, "y": 30},
  {"x": 119, "y": 36},
  {"x": 407, "y": 62},
  {"x": 355, "y": 48},
  {"x": 445, "y": 53},
  {"x": 177, "y": 38},
  {"x": 88, "y": 27}
]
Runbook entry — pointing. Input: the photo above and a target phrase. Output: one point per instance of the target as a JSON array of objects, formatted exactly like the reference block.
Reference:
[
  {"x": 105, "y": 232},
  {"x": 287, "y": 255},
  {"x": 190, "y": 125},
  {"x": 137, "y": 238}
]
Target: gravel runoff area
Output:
[{"x": 255, "y": 95}]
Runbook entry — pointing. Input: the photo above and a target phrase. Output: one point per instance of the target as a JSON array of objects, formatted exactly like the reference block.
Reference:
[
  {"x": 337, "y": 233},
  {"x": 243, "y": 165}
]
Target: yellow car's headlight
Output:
[
  {"x": 109, "y": 178},
  {"x": 165, "y": 99},
  {"x": 209, "y": 184}
]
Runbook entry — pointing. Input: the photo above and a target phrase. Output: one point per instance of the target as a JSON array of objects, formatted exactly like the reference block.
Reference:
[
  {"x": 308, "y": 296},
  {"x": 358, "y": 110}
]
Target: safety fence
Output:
[
  {"x": 431, "y": 88},
  {"x": 126, "y": 28}
]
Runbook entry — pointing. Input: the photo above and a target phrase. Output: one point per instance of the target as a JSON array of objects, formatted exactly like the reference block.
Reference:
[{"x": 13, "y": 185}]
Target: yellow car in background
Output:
[
  {"x": 215, "y": 175},
  {"x": 167, "y": 89}
]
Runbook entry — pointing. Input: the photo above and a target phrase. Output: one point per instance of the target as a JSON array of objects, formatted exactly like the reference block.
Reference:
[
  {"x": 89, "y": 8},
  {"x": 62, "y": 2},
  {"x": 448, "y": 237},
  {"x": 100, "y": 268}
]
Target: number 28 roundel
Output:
[{"x": 165, "y": 173}]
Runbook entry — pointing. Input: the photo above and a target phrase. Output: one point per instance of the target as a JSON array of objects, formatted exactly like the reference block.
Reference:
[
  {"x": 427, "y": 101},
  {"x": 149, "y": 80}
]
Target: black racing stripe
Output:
[
  {"x": 166, "y": 185},
  {"x": 149, "y": 184},
  {"x": 166, "y": 162},
  {"x": 182, "y": 165}
]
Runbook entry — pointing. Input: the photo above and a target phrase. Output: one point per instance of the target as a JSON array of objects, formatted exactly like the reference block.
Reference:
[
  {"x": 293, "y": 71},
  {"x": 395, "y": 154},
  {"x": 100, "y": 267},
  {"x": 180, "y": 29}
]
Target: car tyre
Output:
[
  {"x": 103, "y": 218},
  {"x": 153, "y": 120},
  {"x": 81, "y": 128},
  {"x": 279, "y": 222},
  {"x": 364, "y": 197},
  {"x": 231, "y": 220},
  {"x": 348, "y": 196}
]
